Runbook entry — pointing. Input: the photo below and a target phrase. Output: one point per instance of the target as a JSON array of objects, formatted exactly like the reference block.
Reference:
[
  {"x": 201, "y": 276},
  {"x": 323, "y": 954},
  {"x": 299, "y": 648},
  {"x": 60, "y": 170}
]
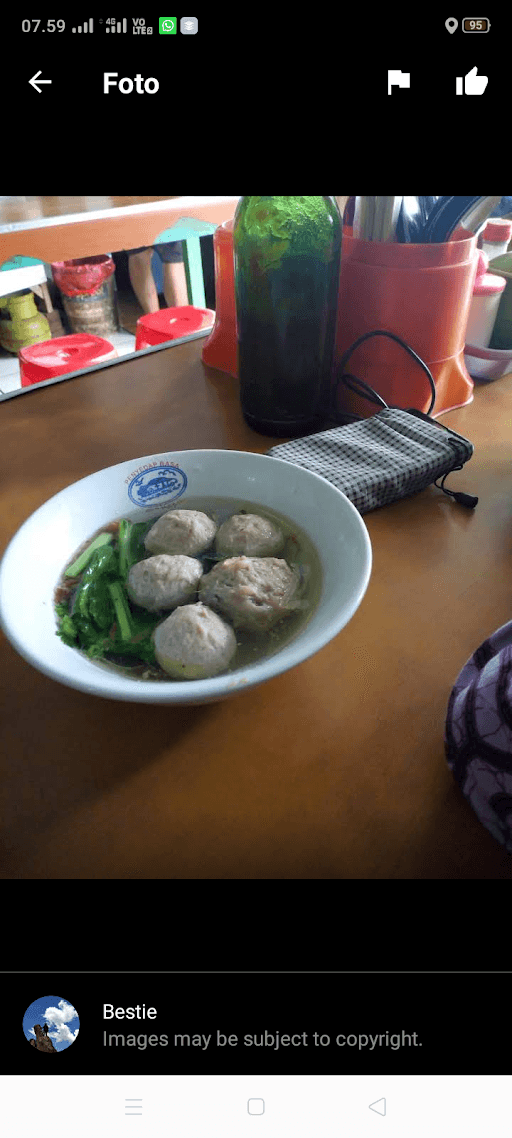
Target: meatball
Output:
[
  {"x": 250, "y": 534},
  {"x": 181, "y": 531},
  {"x": 194, "y": 643},
  {"x": 164, "y": 581},
  {"x": 253, "y": 592}
]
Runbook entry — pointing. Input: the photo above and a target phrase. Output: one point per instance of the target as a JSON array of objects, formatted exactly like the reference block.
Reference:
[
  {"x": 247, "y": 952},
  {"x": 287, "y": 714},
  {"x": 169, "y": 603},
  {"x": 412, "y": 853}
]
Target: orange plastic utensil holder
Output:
[{"x": 422, "y": 293}]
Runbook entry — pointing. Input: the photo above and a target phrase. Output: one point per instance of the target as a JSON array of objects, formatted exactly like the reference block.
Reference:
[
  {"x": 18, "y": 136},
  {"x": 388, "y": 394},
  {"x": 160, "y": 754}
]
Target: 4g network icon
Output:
[{"x": 471, "y": 84}]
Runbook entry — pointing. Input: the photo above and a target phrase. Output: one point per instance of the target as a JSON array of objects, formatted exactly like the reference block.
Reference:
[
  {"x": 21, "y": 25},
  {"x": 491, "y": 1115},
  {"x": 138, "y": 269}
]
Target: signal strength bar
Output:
[
  {"x": 112, "y": 28},
  {"x": 86, "y": 28}
]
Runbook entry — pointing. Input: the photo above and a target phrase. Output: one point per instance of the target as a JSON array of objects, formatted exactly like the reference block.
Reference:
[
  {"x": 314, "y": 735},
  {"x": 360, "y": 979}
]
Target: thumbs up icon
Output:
[{"x": 473, "y": 84}]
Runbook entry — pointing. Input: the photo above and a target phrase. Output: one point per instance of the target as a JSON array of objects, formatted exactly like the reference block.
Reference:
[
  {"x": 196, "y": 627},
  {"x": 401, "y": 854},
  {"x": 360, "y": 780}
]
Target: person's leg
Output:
[
  {"x": 175, "y": 280},
  {"x": 142, "y": 282},
  {"x": 175, "y": 284}
]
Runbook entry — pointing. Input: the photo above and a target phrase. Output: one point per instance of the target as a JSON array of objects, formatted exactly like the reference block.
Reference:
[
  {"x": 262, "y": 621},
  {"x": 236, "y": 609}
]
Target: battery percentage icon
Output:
[{"x": 476, "y": 25}]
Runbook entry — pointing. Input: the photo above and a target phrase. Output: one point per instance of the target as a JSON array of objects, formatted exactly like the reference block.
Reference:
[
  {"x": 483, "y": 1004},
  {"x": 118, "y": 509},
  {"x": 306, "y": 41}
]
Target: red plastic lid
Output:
[
  {"x": 179, "y": 321},
  {"x": 66, "y": 353},
  {"x": 486, "y": 283},
  {"x": 497, "y": 230}
]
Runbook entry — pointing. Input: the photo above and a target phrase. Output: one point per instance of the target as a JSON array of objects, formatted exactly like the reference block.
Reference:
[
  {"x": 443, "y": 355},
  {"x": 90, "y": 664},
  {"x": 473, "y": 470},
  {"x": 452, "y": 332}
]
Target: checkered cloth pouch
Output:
[{"x": 375, "y": 461}]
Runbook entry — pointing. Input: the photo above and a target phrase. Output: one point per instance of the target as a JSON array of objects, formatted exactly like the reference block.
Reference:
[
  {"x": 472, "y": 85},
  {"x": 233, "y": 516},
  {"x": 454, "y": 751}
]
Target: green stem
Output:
[
  {"x": 125, "y": 528},
  {"x": 84, "y": 558},
  {"x": 121, "y": 608}
]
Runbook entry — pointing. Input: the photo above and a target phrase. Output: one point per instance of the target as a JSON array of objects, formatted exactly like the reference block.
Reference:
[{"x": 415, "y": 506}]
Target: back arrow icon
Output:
[
  {"x": 379, "y": 1106},
  {"x": 35, "y": 80}
]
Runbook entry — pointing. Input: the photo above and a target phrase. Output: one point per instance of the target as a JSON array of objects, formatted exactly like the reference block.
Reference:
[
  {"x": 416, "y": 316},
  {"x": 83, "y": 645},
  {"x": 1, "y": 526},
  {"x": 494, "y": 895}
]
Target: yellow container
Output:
[{"x": 24, "y": 325}]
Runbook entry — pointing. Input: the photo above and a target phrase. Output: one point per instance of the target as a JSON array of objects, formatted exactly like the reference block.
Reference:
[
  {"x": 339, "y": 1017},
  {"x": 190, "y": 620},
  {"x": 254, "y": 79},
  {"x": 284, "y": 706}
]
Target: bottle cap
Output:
[{"x": 486, "y": 283}]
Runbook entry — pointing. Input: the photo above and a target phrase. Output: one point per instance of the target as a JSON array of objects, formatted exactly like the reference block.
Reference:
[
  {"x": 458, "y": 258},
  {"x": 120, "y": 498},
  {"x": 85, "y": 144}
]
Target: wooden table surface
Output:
[
  {"x": 61, "y": 228},
  {"x": 335, "y": 769}
]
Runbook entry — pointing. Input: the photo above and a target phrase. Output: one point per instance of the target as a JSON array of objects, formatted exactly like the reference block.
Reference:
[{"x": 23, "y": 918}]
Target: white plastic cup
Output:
[{"x": 487, "y": 293}]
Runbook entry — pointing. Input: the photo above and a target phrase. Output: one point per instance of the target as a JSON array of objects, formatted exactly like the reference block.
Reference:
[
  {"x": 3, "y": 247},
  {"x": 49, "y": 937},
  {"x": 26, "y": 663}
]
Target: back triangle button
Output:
[{"x": 379, "y": 1106}]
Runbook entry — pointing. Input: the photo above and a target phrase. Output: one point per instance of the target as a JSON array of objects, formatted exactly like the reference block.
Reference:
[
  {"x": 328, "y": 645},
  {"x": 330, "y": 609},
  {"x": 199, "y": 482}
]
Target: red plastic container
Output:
[
  {"x": 220, "y": 349},
  {"x": 65, "y": 354},
  {"x": 84, "y": 275},
  {"x": 422, "y": 293},
  {"x": 171, "y": 324}
]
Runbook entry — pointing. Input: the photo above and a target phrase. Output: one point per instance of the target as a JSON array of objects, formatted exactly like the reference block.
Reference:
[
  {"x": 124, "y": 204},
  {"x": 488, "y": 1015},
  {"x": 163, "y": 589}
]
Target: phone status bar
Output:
[{"x": 167, "y": 26}]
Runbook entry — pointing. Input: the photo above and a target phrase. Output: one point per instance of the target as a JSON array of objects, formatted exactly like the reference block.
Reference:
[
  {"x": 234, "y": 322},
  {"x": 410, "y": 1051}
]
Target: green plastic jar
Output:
[{"x": 287, "y": 263}]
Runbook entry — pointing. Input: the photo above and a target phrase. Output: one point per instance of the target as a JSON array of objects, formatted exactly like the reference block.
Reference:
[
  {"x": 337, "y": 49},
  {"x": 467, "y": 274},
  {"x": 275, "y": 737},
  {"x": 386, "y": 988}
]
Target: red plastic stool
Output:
[
  {"x": 171, "y": 324},
  {"x": 67, "y": 353}
]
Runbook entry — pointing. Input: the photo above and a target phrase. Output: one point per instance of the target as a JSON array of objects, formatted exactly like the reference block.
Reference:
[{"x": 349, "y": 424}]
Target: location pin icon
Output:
[{"x": 452, "y": 25}]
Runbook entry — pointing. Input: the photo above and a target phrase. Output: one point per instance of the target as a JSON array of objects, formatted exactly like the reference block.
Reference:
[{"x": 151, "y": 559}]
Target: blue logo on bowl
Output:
[{"x": 157, "y": 482}]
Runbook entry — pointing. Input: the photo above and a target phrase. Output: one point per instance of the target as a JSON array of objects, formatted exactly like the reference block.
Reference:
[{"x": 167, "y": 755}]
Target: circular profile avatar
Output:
[{"x": 51, "y": 1024}]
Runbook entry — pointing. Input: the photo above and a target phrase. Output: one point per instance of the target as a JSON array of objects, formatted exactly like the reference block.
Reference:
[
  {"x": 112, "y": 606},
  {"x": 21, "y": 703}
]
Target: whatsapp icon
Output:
[{"x": 167, "y": 25}]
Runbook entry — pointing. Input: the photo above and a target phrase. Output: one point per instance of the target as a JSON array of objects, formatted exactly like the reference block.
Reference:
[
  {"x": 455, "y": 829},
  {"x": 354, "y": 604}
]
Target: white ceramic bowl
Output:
[
  {"x": 143, "y": 488},
  {"x": 487, "y": 363}
]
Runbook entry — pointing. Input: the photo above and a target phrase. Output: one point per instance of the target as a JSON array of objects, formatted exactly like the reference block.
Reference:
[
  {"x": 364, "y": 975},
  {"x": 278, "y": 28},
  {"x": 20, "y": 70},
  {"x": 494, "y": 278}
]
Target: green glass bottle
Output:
[{"x": 287, "y": 262}]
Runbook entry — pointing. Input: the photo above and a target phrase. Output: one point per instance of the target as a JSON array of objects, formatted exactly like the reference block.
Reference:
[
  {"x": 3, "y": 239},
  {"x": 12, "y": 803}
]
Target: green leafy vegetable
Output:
[
  {"x": 125, "y": 528},
  {"x": 143, "y": 650},
  {"x": 100, "y": 604},
  {"x": 98, "y": 617},
  {"x": 92, "y": 599},
  {"x": 76, "y": 568},
  {"x": 131, "y": 545},
  {"x": 68, "y": 631},
  {"x": 121, "y": 610}
]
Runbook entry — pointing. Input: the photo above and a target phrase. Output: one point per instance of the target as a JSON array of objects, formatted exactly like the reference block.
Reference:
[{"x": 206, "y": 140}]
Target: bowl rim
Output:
[{"x": 215, "y": 687}]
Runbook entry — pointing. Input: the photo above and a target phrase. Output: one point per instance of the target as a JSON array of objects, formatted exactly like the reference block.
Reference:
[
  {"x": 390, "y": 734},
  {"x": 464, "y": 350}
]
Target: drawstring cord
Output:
[{"x": 468, "y": 500}]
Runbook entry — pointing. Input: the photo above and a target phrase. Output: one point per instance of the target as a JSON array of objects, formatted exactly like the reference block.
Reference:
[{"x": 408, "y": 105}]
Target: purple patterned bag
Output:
[{"x": 478, "y": 733}]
